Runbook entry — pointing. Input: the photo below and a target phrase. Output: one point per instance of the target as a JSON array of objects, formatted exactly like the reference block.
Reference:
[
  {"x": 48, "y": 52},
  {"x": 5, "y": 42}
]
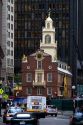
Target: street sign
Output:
[{"x": 1, "y": 91}]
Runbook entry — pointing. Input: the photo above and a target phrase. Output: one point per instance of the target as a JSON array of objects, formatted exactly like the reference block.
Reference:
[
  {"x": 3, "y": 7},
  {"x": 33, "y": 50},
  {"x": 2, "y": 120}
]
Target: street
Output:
[
  {"x": 59, "y": 120},
  {"x": 54, "y": 121}
]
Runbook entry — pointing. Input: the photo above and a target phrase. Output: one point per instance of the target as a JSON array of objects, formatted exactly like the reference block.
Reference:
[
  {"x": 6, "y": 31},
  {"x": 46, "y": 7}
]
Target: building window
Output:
[
  {"x": 29, "y": 77},
  {"x": 8, "y": 61},
  {"x": 39, "y": 64},
  {"x": 8, "y": 25},
  {"x": 11, "y": 62},
  {"x": 49, "y": 91},
  {"x": 48, "y": 25},
  {"x": 47, "y": 39},
  {"x": 11, "y": 52},
  {"x": 49, "y": 77},
  {"x": 8, "y": 8},
  {"x": 11, "y": 26},
  {"x": 8, "y": 52},
  {"x": 8, "y": 43},
  {"x": 39, "y": 77},
  {"x": 12, "y": 35},
  {"x": 11, "y": 44},
  {"x": 8, "y": 34},
  {"x": 9, "y": 1},
  {"x": 8, "y": 16},
  {"x": 29, "y": 91},
  {"x": 12, "y": 1},
  {"x": 11, "y": 9},
  {"x": 39, "y": 91},
  {"x": 11, "y": 18}
]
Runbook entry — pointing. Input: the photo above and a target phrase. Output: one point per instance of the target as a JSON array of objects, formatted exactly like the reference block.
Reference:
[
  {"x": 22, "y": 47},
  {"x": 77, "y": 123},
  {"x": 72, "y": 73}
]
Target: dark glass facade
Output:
[{"x": 30, "y": 17}]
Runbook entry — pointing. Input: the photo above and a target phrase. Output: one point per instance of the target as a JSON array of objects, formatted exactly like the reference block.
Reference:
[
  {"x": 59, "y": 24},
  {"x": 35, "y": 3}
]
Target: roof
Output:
[
  {"x": 45, "y": 54},
  {"x": 64, "y": 71},
  {"x": 49, "y": 19}
]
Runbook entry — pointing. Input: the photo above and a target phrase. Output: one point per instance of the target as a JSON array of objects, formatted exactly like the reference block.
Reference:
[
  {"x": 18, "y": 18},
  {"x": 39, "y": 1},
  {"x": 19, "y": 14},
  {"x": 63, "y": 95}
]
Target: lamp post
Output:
[{"x": 73, "y": 90}]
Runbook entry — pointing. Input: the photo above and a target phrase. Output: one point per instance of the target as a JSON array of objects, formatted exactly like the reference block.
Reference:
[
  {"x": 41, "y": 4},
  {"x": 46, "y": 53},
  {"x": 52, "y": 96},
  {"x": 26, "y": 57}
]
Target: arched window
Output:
[
  {"x": 47, "y": 39},
  {"x": 48, "y": 25}
]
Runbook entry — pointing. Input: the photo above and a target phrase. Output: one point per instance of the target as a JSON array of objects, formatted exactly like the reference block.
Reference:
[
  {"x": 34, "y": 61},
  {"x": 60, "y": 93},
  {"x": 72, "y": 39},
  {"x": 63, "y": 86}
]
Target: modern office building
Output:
[
  {"x": 29, "y": 20},
  {"x": 7, "y": 44},
  {"x": 80, "y": 48}
]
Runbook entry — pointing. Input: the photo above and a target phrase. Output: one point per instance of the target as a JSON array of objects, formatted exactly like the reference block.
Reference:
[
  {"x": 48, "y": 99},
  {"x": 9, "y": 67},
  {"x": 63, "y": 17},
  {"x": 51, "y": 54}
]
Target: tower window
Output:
[
  {"x": 48, "y": 25},
  {"x": 47, "y": 39}
]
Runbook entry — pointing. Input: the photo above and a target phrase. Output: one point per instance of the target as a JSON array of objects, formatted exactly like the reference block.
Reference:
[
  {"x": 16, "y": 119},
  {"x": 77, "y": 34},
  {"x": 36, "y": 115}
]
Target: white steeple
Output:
[{"x": 48, "y": 43}]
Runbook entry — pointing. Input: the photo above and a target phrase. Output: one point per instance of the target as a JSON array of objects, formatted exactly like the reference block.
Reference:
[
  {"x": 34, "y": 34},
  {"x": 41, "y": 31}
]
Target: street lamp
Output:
[{"x": 73, "y": 89}]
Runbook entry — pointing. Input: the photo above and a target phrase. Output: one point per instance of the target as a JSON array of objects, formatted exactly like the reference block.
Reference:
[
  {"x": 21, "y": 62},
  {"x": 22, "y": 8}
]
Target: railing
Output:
[{"x": 42, "y": 83}]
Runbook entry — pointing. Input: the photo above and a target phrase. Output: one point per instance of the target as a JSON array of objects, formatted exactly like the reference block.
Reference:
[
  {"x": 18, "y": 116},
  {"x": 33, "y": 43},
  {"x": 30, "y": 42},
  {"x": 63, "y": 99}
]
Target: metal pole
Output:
[{"x": 0, "y": 106}]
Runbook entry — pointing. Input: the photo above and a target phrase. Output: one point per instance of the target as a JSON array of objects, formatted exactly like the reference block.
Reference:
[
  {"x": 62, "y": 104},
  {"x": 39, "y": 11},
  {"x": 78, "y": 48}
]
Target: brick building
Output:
[
  {"x": 39, "y": 75},
  {"x": 42, "y": 73}
]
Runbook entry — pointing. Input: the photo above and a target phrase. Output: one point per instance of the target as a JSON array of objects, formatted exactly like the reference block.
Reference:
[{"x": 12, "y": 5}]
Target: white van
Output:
[{"x": 37, "y": 104}]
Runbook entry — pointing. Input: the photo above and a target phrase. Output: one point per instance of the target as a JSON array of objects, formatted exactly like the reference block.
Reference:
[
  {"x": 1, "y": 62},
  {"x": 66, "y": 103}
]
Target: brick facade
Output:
[{"x": 30, "y": 66}]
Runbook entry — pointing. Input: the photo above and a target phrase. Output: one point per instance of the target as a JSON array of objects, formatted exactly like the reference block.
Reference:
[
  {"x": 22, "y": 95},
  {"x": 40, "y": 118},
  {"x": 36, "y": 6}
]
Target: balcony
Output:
[{"x": 39, "y": 84}]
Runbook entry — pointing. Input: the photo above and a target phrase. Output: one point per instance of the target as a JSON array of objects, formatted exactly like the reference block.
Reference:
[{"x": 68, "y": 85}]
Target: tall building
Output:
[
  {"x": 80, "y": 48},
  {"x": 7, "y": 71},
  {"x": 0, "y": 21},
  {"x": 1, "y": 51},
  {"x": 29, "y": 19}
]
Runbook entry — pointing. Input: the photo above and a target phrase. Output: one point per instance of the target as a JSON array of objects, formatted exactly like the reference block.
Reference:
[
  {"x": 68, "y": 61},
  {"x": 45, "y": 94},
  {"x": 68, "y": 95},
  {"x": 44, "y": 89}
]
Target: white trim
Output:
[{"x": 64, "y": 71}]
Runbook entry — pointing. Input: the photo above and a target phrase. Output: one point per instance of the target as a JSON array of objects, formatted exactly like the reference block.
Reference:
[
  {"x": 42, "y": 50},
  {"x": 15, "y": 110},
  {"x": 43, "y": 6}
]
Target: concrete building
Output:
[
  {"x": 1, "y": 51},
  {"x": 0, "y": 22},
  {"x": 7, "y": 44}
]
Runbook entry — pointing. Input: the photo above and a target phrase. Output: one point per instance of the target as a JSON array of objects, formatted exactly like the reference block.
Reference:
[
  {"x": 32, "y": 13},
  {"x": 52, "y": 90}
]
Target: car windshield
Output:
[
  {"x": 13, "y": 110},
  {"x": 51, "y": 106}
]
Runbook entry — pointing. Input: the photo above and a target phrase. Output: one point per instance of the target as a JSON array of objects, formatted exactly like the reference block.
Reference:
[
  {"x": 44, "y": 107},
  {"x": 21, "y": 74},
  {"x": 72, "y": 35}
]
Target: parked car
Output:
[
  {"x": 10, "y": 112},
  {"x": 51, "y": 110},
  {"x": 24, "y": 118},
  {"x": 76, "y": 119}
]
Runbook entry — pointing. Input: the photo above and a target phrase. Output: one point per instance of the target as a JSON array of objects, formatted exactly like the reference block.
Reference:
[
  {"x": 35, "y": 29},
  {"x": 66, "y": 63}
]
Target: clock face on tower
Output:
[
  {"x": 47, "y": 39},
  {"x": 39, "y": 55}
]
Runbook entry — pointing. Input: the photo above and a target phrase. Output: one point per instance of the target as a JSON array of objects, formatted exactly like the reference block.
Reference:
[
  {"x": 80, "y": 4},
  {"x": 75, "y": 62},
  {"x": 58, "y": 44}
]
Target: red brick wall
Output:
[{"x": 32, "y": 63}]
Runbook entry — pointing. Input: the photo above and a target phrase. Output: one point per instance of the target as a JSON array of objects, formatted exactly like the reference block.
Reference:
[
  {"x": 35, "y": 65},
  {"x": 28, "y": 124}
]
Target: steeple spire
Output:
[{"x": 49, "y": 12}]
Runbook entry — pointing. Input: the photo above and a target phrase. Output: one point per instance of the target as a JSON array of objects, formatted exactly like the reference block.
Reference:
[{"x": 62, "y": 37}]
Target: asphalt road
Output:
[
  {"x": 54, "y": 121},
  {"x": 59, "y": 120}
]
